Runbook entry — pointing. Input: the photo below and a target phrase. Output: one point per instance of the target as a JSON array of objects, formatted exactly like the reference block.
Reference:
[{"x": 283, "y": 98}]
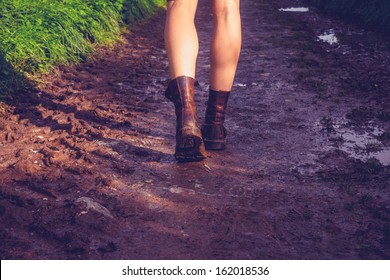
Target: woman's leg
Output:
[
  {"x": 226, "y": 43},
  {"x": 181, "y": 42},
  {"x": 225, "y": 50},
  {"x": 181, "y": 38}
]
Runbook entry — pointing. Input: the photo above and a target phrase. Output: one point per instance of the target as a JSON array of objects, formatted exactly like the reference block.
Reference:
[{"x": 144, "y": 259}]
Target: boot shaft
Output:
[
  {"x": 216, "y": 107},
  {"x": 181, "y": 92}
]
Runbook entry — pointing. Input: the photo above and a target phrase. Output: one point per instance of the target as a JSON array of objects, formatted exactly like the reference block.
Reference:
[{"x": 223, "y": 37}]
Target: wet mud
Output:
[{"x": 87, "y": 168}]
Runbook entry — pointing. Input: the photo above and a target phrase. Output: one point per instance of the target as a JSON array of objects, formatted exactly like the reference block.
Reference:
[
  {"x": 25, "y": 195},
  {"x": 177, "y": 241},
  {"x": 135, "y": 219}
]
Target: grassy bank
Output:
[
  {"x": 38, "y": 34},
  {"x": 373, "y": 14},
  {"x": 134, "y": 10}
]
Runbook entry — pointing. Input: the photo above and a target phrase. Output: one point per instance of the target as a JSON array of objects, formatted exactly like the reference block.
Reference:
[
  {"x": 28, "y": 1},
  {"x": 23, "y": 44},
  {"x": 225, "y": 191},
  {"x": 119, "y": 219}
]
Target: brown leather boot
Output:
[
  {"x": 189, "y": 143},
  {"x": 214, "y": 133}
]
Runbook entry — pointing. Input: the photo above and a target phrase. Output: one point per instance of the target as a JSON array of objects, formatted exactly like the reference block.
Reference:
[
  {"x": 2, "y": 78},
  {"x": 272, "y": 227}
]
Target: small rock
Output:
[
  {"x": 208, "y": 169},
  {"x": 53, "y": 176},
  {"x": 9, "y": 137},
  {"x": 87, "y": 204},
  {"x": 105, "y": 181}
]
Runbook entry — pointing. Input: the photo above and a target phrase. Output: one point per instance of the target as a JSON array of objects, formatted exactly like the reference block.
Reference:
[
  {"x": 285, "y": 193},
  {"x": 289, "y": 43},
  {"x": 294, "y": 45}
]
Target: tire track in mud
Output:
[{"x": 87, "y": 169}]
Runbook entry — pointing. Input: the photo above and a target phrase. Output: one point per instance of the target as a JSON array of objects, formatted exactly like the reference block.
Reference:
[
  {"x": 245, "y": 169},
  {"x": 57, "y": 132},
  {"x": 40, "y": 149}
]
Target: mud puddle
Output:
[
  {"x": 363, "y": 144},
  {"x": 328, "y": 37},
  {"x": 294, "y": 9}
]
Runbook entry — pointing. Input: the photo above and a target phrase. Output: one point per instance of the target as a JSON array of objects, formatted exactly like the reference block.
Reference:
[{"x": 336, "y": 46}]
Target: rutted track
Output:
[{"x": 87, "y": 168}]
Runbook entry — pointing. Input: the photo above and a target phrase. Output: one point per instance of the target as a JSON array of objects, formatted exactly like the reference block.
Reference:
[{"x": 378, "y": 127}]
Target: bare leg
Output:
[
  {"x": 225, "y": 50},
  {"x": 226, "y": 43},
  {"x": 181, "y": 42},
  {"x": 181, "y": 38}
]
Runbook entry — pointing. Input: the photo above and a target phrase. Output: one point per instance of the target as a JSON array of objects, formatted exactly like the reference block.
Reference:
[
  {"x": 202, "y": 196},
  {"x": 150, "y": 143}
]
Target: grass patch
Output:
[
  {"x": 36, "y": 35},
  {"x": 139, "y": 9}
]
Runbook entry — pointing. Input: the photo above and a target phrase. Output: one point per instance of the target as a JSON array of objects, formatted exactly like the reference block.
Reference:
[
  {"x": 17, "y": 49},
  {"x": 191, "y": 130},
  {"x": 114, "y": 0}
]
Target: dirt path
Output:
[{"x": 87, "y": 168}]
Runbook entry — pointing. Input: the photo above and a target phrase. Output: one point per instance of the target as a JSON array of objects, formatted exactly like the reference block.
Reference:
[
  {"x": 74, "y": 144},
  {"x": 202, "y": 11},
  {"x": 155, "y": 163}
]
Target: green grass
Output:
[
  {"x": 373, "y": 13},
  {"x": 138, "y": 9},
  {"x": 36, "y": 35}
]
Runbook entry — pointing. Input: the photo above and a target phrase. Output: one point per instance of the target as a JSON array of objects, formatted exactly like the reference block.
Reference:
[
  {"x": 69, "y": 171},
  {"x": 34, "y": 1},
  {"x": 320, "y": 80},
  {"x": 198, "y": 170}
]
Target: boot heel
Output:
[{"x": 189, "y": 148}]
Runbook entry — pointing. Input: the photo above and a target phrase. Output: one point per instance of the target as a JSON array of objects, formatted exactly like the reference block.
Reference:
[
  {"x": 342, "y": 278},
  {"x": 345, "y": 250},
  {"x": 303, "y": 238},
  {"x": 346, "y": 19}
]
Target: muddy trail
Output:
[{"x": 87, "y": 168}]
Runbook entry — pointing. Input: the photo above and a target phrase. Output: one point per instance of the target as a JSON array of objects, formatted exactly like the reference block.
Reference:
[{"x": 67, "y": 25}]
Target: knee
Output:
[{"x": 226, "y": 9}]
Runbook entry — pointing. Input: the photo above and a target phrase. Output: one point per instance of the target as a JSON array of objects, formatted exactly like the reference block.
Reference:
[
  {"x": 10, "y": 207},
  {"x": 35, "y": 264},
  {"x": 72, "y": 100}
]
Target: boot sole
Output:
[
  {"x": 188, "y": 148},
  {"x": 216, "y": 145}
]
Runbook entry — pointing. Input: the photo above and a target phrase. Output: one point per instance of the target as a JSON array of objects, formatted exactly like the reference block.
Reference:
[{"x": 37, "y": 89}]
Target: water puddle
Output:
[
  {"x": 360, "y": 145},
  {"x": 295, "y": 9},
  {"x": 328, "y": 37},
  {"x": 364, "y": 146},
  {"x": 239, "y": 85}
]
